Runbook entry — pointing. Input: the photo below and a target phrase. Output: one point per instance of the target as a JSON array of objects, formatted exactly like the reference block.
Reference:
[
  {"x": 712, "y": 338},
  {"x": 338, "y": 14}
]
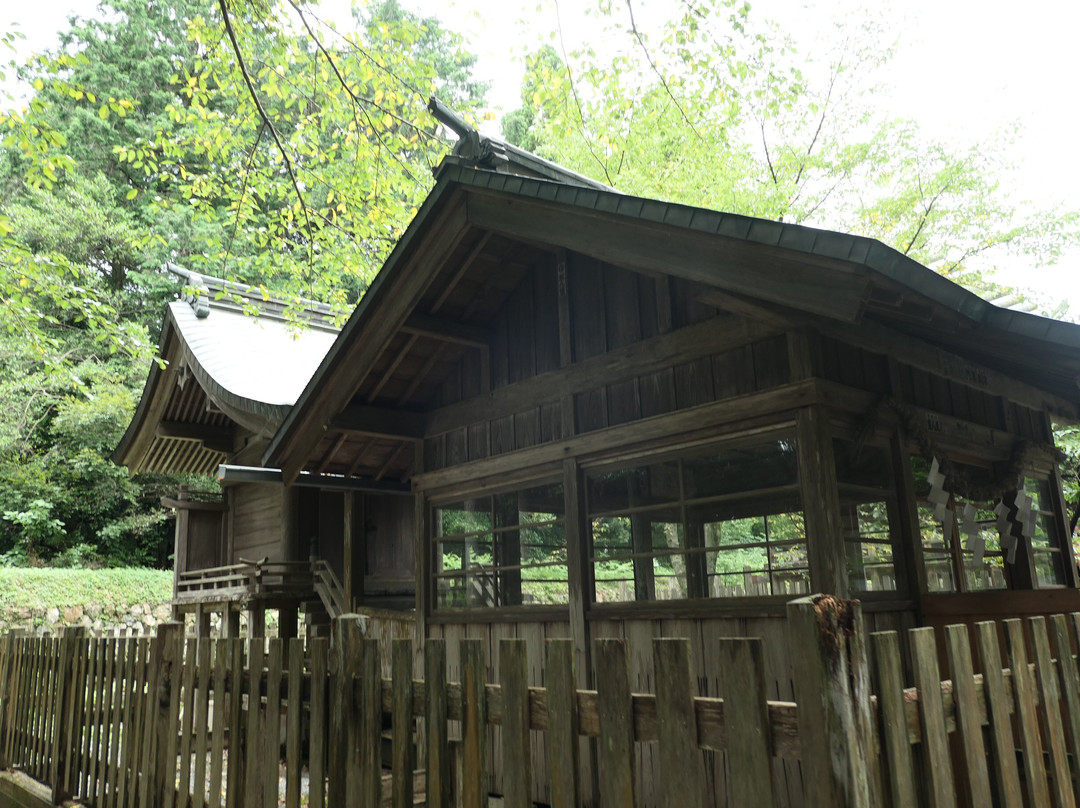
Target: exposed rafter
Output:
[
  {"x": 363, "y": 419},
  {"x": 215, "y": 438}
]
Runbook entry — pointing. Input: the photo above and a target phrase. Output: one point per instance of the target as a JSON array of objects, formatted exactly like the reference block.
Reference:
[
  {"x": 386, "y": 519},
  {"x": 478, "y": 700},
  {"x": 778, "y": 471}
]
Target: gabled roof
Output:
[
  {"x": 824, "y": 276},
  {"x": 224, "y": 369}
]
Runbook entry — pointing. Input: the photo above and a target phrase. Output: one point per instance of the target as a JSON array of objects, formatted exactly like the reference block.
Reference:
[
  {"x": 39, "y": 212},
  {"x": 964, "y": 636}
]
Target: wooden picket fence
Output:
[{"x": 169, "y": 722}]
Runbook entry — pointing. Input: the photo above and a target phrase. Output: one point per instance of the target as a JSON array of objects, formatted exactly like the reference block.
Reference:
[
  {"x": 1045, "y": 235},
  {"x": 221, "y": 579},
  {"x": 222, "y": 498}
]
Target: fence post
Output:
[
  {"x": 832, "y": 689},
  {"x": 6, "y": 669},
  {"x": 164, "y": 711},
  {"x": 65, "y": 729}
]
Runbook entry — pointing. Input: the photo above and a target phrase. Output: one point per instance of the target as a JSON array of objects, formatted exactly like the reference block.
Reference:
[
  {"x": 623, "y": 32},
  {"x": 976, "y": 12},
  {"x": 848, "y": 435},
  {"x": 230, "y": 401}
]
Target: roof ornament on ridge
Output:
[
  {"x": 196, "y": 292},
  {"x": 474, "y": 150}
]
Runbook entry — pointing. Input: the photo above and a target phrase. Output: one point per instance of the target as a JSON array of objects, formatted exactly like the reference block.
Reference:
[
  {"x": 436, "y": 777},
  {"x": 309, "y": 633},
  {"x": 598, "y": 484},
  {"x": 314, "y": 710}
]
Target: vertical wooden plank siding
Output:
[
  {"x": 514, "y": 679},
  {"x": 890, "y": 692},
  {"x": 562, "y": 730},
  {"x": 1050, "y": 698},
  {"x": 271, "y": 756},
  {"x": 747, "y": 734},
  {"x": 937, "y": 765},
  {"x": 1006, "y": 771},
  {"x": 404, "y": 755},
  {"x": 473, "y": 725},
  {"x": 293, "y": 723},
  {"x": 1028, "y": 720},
  {"x": 615, "y": 746},
  {"x": 317, "y": 757},
  {"x": 438, "y": 746},
  {"x": 968, "y": 717}
]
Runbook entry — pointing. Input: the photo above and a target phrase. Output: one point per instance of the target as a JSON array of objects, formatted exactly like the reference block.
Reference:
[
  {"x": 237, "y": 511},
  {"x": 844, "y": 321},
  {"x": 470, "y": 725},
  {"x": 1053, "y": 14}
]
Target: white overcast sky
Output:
[{"x": 963, "y": 69}]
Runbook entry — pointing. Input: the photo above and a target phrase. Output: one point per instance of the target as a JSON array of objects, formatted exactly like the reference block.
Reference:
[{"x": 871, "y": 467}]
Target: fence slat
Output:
[
  {"x": 1023, "y": 691},
  {"x": 171, "y": 637},
  {"x": 615, "y": 747},
  {"x": 202, "y": 713},
  {"x": 292, "y": 723},
  {"x": 748, "y": 736},
  {"x": 890, "y": 692},
  {"x": 105, "y": 772},
  {"x": 516, "y": 755},
  {"x": 968, "y": 715},
  {"x": 94, "y": 739},
  {"x": 562, "y": 729},
  {"x": 680, "y": 759},
  {"x": 234, "y": 772},
  {"x": 1070, "y": 680},
  {"x": 1006, "y": 771},
  {"x": 253, "y": 737},
  {"x": 272, "y": 735},
  {"x": 437, "y": 741},
  {"x": 370, "y": 725},
  {"x": 403, "y": 752},
  {"x": 937, "y": 762},
  {"x": 1050, "y": 695},
  {"x": 88, "y": 716},
  {"x": 217, "y": 742},
  {"x": 318, "y": 649},
  {"x": 133, "y": 669},
  {"x": 187, "y": 724},
  {"x": 473, "y": 725}
]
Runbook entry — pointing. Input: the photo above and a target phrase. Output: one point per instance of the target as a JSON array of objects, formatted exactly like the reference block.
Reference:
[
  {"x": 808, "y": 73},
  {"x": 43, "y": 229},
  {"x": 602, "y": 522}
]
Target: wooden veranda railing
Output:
[
  {"x": 172, "y": 722},
  {"x": 269, "y": 580}
]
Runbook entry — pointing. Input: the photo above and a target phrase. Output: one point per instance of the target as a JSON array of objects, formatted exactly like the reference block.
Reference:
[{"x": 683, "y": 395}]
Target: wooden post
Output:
[
  {"x": 288, "y": 622},
  {"x": 256, "y": 622},
  {"x": 473, "y": 725},
  {"x": 680, "y": 759},
  {"x": 6, "y": 670},
  {"x": 832, "y": 690},
  {"x": 230, "y": 622},
  {"x": 202, "y": 621},
  {"x": 821, "y": 502}
]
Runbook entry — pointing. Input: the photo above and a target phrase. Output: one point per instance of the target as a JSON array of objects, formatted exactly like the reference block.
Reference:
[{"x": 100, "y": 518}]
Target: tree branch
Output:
[
  {"x": 266, "y": 121},
  {"x": 659, "y": 75}
]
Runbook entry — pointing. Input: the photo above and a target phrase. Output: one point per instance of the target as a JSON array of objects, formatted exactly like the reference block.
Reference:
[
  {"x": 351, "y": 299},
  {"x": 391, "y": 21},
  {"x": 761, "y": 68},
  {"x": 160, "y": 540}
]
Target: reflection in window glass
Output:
[
  {"x": 503, "y": 550},
  {"x": 1047, "y": 557},
  {"x": 714, "y": 523}
]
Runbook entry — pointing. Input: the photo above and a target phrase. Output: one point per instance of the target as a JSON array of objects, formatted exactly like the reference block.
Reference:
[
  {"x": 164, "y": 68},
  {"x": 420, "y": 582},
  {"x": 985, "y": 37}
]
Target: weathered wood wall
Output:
[{"x": 255, "y": 520}]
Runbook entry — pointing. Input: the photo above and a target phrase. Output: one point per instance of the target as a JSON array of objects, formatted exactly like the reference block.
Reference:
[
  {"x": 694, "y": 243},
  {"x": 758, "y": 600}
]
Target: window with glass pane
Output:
[
  {"x": 722, "y": 522},
  {"x": 508, "y": 549},
  {"x": 868, "y": 511},
  {"x": 949, "y": 557},
  {"x": 1047, "y": 557}
]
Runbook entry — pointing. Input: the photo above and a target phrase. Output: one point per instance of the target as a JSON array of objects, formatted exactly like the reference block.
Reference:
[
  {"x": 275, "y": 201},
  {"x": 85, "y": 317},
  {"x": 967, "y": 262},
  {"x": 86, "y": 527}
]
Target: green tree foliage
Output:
[
  {"x": 719, "y": 109},
  {"x": 253, "y": 142}
]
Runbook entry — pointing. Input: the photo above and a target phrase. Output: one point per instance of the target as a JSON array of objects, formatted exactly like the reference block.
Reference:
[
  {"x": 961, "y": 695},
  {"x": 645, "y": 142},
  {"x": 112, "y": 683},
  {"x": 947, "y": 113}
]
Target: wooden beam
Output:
[
  {"x": 474, "y": 253},
  {"x": 390, "y": 371},
  {"x": 386, "y": 305},
  {"x": 439, "y": 328},
  {"x": 364, "y": 419},
  {"x": 648, "y": 356},
  {"x": 740, "y": 410},
  {"x": 215, "y": 438},
  {"x": 825, "y": 286},
  {"x": 333, "y": 450}
]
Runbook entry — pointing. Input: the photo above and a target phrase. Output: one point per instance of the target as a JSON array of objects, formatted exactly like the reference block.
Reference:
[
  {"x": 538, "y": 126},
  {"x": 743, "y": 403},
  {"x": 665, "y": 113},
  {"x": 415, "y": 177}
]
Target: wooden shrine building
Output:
[
  {"x": 227, "y": 382},
  {"x": 561, "y": 411},
  {"x": 623, "y": 417}
]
